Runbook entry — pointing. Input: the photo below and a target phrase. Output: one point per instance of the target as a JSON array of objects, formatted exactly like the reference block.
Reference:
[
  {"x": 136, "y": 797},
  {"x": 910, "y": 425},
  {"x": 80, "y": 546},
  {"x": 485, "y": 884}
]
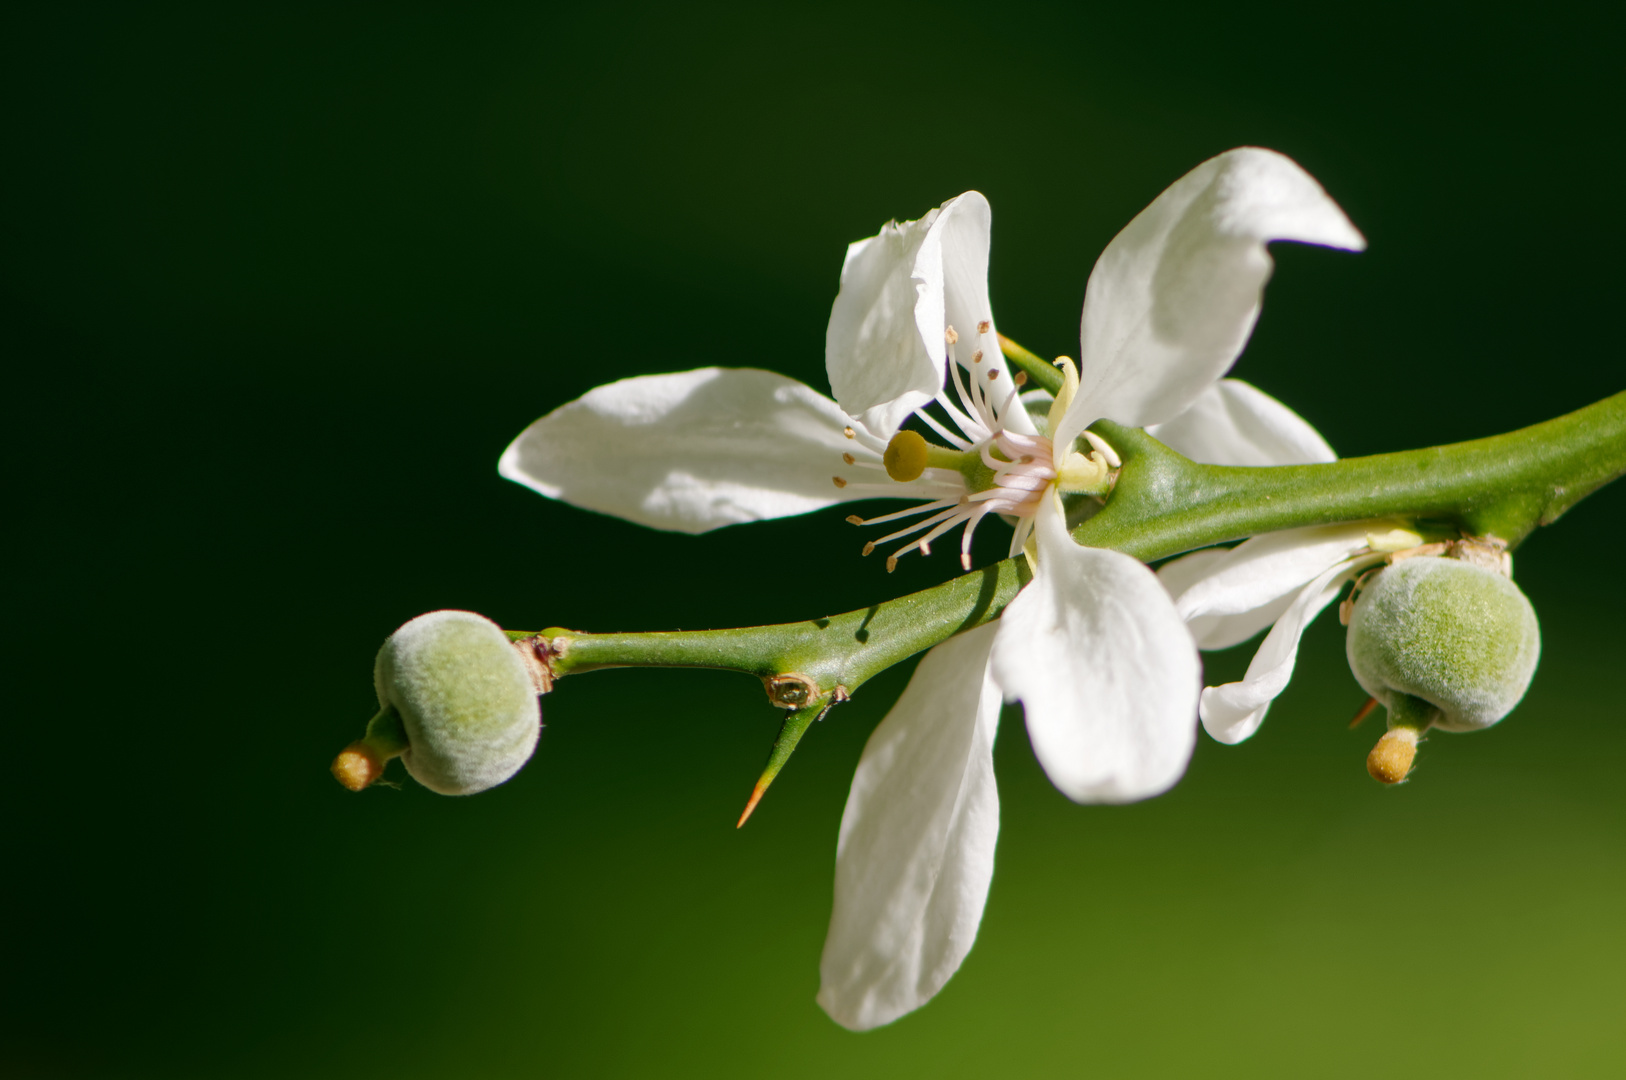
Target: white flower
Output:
[
  {"x": 1094, "y": 647},
  {"x": 1089, "y": 650}
]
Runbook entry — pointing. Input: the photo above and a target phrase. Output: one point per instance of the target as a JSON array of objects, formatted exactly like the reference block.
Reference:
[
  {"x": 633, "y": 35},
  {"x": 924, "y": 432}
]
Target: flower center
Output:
[{"x": 985, "y": 469}]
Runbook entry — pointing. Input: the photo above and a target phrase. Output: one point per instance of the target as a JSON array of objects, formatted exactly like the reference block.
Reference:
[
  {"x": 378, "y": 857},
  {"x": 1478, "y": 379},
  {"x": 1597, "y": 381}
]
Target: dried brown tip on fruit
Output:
[
  {"x": 1390, "y": 760},
  {"x": 357, "y": 766}
]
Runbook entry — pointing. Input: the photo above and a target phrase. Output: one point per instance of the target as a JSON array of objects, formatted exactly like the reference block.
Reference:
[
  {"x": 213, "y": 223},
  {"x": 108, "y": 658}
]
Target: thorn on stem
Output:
[
  {"x": 751, "y": 804},
  {"x": 790, "y": 733},
  {"x": 1363, "y": 712}
]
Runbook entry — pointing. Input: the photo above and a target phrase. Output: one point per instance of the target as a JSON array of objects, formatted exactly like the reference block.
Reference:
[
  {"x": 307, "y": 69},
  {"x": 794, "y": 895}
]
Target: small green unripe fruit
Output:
[
  {"x": 1443, "y": 641},
  {"x": 465, "y": 698}
]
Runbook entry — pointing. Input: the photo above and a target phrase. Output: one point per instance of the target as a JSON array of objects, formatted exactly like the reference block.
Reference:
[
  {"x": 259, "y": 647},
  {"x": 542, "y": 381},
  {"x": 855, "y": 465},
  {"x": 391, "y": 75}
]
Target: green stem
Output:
[
  {"x": 1165, "y": 504},
  {"x": 386, "y": 734},
  {"x": 837, "y": 653},
  {"x": 1503, "y": 486}
]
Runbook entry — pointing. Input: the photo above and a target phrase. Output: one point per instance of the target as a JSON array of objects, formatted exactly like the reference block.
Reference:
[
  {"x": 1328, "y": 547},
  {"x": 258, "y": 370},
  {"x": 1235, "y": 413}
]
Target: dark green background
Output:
[{"x": 279, "y": 286}]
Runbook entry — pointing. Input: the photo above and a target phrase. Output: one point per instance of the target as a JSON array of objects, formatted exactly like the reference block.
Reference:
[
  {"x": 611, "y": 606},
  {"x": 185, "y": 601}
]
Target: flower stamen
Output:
[{"x": 1023, "y": 468}]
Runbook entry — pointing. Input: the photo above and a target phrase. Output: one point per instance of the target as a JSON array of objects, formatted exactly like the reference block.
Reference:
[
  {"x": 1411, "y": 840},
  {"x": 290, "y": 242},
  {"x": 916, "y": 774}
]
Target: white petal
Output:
[
  {"x": 1234, "y": 711},
  {"x": 1103, "y": 666},
  {"x": 1175, "y": 295},
  {"x": 693, "y": 450},
  {"x": 1233, "y": 423},
  {"x": 916, "y": 851},
  {"x": 1263, "y": 571},
  {"x": 900, "y": 290},
  {"x": 1224, "y": 631},
  {"x": 880, "y": 367},
  {"x": 1213, "y": 631},
  {"x": 1178, "y": 575}
]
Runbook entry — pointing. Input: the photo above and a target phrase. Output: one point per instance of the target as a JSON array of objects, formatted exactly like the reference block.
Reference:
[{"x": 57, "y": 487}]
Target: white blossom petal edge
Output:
[
  {"x": 900, "y": 290},
  {"x": 1234, "y": 423},
  {"x": 1234, "y": 711},
  {"x": 695, "y": 450},
  {"x": 1179, "y": 289},
  {"x": 1226, "y": 605},
  {"x": 916, "y": 849},
  {"x": 1105, "y": 669}
]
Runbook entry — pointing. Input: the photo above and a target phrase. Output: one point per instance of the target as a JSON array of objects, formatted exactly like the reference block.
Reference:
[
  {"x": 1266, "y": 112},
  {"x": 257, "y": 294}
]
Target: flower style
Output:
[{"x": 1094, "y": 647}]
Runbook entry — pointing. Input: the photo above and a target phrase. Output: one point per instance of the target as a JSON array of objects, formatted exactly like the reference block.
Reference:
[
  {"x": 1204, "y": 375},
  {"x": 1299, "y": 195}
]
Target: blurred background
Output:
[{"x": 281, "y": 282}]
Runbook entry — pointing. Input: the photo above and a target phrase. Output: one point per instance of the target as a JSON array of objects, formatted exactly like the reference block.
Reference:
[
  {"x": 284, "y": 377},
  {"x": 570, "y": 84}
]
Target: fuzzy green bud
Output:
[
  {"x": 1443, "y": 642},
  {"x": 465, "y": 697}
]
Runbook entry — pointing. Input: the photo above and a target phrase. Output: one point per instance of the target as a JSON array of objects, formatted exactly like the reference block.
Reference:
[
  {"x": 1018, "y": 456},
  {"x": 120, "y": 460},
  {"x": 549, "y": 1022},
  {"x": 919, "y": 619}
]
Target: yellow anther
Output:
[
  {"x": 984, "y": 326},
  {"x": 839, "y": 482},
  {"x": 849, "y": 459},
  {"x": 905, "y": 457},
  {"x": 950, "y": 335}
]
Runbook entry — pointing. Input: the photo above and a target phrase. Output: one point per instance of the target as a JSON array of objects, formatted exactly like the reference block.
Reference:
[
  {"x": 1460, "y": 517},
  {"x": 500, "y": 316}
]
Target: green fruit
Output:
[
  {"x": 1443, "y": 641},
  {"x": 465, "y": 698}
]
